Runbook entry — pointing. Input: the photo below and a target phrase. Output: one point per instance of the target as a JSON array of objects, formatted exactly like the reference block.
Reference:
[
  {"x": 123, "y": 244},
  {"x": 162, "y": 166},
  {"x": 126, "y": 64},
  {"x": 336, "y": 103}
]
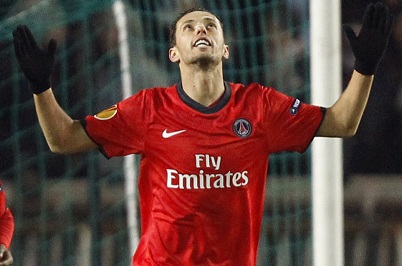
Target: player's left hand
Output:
[
  {"x": 36, "y": 63},
  {"x": 6, "y": 258},
  {"x": 370, "y": 44}
]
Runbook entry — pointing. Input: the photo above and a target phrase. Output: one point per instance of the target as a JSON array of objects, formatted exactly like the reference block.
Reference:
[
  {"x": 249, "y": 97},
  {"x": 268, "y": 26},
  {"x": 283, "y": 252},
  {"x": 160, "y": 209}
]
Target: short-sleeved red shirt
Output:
[
  {"x": 203, "y": 169},
  {"x": 6, "y": 220}
]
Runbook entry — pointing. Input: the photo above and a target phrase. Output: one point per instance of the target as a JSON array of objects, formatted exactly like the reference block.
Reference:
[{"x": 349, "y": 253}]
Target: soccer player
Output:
[
  {"x": 204, "y": 142},
  {"x": 6, "y": 230}
]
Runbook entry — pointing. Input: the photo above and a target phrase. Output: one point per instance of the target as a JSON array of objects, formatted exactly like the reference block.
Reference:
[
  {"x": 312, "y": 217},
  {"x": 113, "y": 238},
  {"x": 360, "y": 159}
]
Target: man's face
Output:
[{"x": 199, "y": 40}]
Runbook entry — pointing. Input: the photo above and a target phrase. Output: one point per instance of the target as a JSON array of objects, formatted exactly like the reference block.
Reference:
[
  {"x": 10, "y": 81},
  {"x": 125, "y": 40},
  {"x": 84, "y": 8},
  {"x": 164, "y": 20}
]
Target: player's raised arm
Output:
[
  {"x": 343, "y": 118},
  {"x": 62, "y": 133}
]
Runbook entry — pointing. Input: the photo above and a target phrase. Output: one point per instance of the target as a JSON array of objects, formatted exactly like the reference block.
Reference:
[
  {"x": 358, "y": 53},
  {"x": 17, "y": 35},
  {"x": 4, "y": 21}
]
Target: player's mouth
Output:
[{"x": 203, "y": 42}]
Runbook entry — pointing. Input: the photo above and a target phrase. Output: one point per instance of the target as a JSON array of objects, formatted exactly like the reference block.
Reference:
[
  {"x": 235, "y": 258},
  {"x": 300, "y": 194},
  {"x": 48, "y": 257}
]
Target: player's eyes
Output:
[
  {"x": 208, "y": 26},
  {"x": 211, "y": 25}
]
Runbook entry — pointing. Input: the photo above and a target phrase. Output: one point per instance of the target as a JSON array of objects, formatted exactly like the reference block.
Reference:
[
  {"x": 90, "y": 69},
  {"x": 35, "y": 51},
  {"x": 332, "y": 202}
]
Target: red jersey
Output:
[
  {"x": 6, "y": 220},
  {"x": 203, "y": 169}
]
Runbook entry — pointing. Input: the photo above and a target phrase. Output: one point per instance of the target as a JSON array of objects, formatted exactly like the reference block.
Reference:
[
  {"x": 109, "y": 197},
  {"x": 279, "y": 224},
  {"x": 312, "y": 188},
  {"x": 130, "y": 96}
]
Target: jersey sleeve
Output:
[
  {"x": 292, "y": 124},
  {"x": 120, "y": 129},
  {"x": 6, "y": 221}
]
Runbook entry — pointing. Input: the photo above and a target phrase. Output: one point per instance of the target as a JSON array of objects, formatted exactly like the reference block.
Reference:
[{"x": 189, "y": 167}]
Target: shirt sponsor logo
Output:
[
  {"x": 204, "y": 180},
  {"x": 242, "y": 128}
]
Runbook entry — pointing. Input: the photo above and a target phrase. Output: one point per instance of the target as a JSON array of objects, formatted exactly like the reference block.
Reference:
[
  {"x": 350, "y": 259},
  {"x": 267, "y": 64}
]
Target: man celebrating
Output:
[{"x": 204, "y": 143}]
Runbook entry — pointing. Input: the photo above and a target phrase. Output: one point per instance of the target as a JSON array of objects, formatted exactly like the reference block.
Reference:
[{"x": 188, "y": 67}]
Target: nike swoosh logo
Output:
[{"x": 167, "y": 135}]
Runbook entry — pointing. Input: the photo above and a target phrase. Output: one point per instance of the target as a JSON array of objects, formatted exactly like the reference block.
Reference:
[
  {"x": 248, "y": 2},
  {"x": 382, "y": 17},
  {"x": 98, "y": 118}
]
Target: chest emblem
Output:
[{"x": 242, "y": 128}]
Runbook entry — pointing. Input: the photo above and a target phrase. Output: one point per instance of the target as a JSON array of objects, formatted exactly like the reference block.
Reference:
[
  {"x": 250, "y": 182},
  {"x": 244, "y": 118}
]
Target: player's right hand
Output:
[{"x": 36, "y": 63}]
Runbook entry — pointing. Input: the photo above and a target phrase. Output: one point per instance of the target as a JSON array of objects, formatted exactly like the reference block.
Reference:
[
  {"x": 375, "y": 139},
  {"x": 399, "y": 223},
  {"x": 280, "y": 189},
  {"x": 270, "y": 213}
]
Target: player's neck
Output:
[{"x": 204, "y": 87}]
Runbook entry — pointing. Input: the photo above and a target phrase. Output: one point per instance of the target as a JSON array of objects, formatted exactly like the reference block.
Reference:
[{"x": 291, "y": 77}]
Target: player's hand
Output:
[
  {"x": 36, "y": 63},
  {"x": 5, "y": 256},
  {"x": 370, "y": 44}
]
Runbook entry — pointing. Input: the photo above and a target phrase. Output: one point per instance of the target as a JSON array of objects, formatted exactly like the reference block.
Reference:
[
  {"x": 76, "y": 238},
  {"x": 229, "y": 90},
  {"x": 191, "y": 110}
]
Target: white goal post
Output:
[
  {"x": 130, "y": 166},
  {"x": 327, "y": 157}
]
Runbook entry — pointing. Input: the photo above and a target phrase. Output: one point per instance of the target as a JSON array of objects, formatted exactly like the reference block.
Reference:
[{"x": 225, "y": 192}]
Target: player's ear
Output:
[
  {"x": 174, "y": 55},
  {"x": 226, "y": 51}
]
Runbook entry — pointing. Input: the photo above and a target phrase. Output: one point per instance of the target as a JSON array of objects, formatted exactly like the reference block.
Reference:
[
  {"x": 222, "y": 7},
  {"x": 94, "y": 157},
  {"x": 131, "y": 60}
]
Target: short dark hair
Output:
[{"x": 173, "y": 26}]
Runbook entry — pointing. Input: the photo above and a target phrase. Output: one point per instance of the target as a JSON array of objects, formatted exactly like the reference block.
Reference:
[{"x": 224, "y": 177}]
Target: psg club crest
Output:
[{"x": 242, "y": 128}]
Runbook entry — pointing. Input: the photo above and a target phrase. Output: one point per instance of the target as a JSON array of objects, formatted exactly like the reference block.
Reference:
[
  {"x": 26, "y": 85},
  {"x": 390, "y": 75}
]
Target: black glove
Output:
[
  {"x": 37, "y": 64},
  {"x": 369, "y": 46}
]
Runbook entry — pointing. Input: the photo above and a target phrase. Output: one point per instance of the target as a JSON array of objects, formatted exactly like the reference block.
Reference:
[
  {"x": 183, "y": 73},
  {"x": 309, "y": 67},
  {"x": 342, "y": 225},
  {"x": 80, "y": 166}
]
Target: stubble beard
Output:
[{"x": 205, "y": 62}]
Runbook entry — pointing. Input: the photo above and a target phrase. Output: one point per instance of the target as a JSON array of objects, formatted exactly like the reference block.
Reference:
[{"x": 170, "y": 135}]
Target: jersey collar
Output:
[{"x": 201, "y": 108}]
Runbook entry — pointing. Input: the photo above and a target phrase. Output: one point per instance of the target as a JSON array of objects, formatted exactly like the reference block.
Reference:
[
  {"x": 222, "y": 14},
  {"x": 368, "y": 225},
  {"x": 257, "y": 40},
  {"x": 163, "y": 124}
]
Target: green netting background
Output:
[{"x": 70, "y": 210}]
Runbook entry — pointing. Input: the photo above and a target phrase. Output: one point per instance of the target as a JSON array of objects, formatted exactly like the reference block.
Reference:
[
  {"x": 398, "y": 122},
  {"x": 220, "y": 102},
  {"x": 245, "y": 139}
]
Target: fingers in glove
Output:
[
  {"x": 382, "y": 18},
  {"x": 26, "y": 38},
  {"x": 368, "y": 16},
  {"x": 30, "y": 39},
  {"x": 350, "y": 33},
  {"x": 377, "y": 14},
  {"x": 20, "y": 42}
]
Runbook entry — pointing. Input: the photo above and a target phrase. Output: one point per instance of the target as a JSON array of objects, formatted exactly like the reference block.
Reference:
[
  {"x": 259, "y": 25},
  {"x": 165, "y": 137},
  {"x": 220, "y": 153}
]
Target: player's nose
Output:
[{"x": 200, "y": 28}]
